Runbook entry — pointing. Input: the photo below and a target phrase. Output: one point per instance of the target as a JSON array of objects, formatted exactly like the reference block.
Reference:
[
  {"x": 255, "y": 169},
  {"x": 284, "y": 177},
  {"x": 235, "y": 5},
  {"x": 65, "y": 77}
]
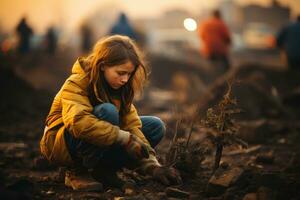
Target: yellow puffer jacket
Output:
[{"x": 71, "y": 110}]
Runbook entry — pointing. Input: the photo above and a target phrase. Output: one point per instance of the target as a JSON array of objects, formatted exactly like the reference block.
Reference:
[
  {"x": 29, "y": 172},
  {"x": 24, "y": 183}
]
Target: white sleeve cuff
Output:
[{"x": 123, "y": 137}]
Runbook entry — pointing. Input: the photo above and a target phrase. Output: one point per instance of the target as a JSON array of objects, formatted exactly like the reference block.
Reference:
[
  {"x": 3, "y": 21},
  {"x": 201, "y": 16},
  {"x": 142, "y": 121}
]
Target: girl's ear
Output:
[{"x": 102, "y": 67}]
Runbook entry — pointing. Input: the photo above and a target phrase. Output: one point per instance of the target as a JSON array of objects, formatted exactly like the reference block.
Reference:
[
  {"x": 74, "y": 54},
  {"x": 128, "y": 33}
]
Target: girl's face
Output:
[{"x": 118, "y": 75}]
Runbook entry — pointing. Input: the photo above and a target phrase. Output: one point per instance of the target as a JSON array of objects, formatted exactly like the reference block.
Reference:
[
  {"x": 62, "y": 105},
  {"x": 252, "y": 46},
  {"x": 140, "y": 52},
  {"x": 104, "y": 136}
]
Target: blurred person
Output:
[
  {"x": 93, "y": 125},
  {"x": 288, "y": 40},
  {"x": 86, "y": 38},
  {"x": 216, "y": 39},
  {"x": 24, "y": 32},
  {"x": 51, "y": 41},
  {"x": 123, "y": 27}
]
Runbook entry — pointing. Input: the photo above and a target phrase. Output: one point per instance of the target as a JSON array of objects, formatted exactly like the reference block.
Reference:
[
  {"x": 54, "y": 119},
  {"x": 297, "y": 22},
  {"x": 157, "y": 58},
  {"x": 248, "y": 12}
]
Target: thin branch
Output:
[{"x": 190, "y": 133}]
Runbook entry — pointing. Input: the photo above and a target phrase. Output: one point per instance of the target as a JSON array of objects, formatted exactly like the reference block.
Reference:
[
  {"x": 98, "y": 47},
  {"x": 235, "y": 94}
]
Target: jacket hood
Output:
[
  {"x": 77, "y": 67},
  {"x": 78, "y": 70}
]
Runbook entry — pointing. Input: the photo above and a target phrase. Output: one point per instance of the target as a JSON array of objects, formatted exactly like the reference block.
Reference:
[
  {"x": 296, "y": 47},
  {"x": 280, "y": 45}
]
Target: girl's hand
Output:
[
  {"x": 167, "y": 175},
  {"x": 136, "y": 148}
]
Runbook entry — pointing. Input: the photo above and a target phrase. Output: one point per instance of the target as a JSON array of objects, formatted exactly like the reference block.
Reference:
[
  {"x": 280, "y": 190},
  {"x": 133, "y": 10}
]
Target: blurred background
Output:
[
  {"x": 68, "y": 29},
  {"x": 41, "y": 39}
]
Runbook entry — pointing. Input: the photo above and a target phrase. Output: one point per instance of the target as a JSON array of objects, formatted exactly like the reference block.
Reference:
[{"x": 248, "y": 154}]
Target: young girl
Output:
[{"x": 94, "y": 128}]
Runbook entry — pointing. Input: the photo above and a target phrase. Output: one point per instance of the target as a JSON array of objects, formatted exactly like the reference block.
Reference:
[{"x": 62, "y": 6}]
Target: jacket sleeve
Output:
[
  {"x": 132, "y": 123},
  {"x": 79, "y": 120},
  {"x": 201, "y": 32}
]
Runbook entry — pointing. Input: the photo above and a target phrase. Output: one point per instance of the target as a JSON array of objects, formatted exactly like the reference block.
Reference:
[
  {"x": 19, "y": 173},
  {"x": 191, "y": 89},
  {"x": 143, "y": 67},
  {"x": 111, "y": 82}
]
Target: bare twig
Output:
[
  {"x": 218, "y": 156},
  {"x": 190, "y": 133},
  {"x": 172, "y": 153}
]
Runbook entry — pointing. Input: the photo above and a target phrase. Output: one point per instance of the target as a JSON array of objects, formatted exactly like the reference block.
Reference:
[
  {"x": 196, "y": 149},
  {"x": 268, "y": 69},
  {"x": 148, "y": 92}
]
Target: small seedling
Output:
[{"x": 220, "y": 126}]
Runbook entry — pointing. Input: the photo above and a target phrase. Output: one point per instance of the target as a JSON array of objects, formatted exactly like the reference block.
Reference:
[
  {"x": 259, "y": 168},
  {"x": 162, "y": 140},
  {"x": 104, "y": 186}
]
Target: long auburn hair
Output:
[{"x": 111, "y": 51}]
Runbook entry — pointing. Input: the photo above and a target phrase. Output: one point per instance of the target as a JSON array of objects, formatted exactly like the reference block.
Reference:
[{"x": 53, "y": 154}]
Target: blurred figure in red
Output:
[
  {"x": 288, "y": 40},
  {"x": 215, "y": 38}
]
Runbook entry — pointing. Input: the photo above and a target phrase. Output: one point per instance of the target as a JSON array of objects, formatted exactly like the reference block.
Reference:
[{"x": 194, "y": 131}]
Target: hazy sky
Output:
[{"x": 41, "y": 13}]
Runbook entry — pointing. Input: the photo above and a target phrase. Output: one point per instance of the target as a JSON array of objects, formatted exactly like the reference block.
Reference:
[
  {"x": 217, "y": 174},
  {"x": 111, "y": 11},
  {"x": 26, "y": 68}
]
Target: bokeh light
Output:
[{"x": 190, "y": 24}]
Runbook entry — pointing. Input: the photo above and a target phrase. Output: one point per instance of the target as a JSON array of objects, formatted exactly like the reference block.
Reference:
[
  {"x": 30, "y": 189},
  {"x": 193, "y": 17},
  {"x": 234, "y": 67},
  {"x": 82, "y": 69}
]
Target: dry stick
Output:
[
  {"x": 176, "y": 130},
  {"x": 175, "y": 134},
  {"x": 218, "y": 156},
  {"x": 173, "y": 142},
  {"x": 192, "y": 125},
  {"x": 190, "y": 133},
  {"x": 219, "y": 150}
]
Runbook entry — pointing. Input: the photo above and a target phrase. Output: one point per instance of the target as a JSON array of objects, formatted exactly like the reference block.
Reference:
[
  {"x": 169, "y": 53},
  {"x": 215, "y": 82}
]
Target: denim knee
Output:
[
  {"x": 153, "y": 128},
  {"x": 160, "y": 127},
  {"x": 107, "y": 112}
]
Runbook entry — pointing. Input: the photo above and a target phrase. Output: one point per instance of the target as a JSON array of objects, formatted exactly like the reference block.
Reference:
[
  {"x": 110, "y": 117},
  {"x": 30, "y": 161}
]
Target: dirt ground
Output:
[{"x": 267, "y": 169}]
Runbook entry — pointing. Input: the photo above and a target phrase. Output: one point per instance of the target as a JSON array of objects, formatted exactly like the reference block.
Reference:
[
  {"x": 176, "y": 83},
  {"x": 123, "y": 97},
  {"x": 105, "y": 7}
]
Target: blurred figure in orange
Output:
[
  {"x": 216, "y": 39},
  {"x": 288, "y": 40},
  {"x": 24, "y": 32}
]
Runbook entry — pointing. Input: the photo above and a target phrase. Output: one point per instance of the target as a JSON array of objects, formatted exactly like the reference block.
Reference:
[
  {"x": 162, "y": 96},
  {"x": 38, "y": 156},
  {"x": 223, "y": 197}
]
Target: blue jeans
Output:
[{"x": 89, "y": 155}]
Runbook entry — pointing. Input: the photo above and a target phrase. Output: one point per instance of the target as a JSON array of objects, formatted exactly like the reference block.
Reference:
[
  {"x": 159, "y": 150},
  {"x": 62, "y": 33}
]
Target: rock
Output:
[
  {"x": 50, "y": 192},
  {"x": 129, "y": 191},
  {"x": 270, "y": 179},
  {"x": 46, "y": 178},
  {"x": 292, "y": 98},
  {"x": 195, "y": 197},
  {"x": 129, "y": 188},
  {"x": 282, "y": 141},
  {"x": 12, "y": 146},
  {"x": 20, "y": 189},
  {"x": 224, "y": 165},
  {"x": 22, "y": 185},
  {"x": 260, "y": 130},
  {"x": 267, "y": 158},
  {"x": 250, "y": 196},
  {"x": 138, "y": 197},
  {"x": 13, "y": 195},
  {"x": 60, "y": 176},
  {"x": 251, "y": 149},
  {"x": 41, "y": 163},
  {"x": 221, "y": 180},
  {"x": 227, "y": 178},
  {"x": 294, "y": 163},
  {"x": 216, "y": 198},
  {"x": 161, "y": 195},
  {"x": 90, "y": 195},
  {"x": 175, "y": 192},
  {"x": 230, "y": 193},
  {"x": 264, "y": 193},
  {"x": 152, "y": 196}
]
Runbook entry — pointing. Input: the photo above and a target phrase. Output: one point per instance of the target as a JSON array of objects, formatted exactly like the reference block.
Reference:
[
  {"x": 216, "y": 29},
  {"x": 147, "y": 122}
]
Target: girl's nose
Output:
[{"x": 124, "y": 78}]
